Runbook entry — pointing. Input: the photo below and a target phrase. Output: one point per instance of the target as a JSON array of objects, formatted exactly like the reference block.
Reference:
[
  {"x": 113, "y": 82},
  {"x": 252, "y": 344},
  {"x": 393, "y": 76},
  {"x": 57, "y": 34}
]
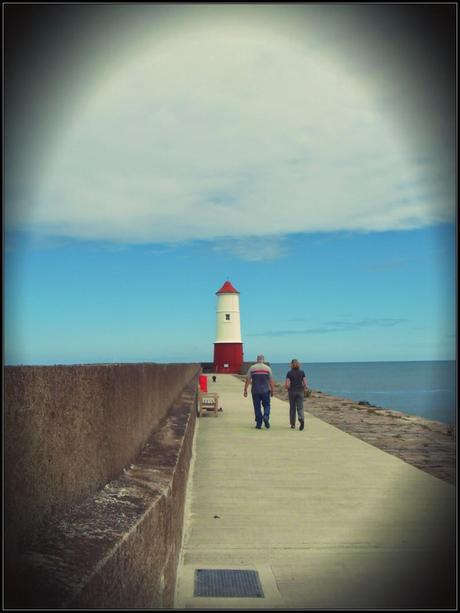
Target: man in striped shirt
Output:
[{"x": 260, "y": 377}]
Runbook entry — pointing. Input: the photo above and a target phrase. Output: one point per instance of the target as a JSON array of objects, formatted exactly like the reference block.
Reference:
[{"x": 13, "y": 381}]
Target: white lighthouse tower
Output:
[{"x": 228, "y": 348}]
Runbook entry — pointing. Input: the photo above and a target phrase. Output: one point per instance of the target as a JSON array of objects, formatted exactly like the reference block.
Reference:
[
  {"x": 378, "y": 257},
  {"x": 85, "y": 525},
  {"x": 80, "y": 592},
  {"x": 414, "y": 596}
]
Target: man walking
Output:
[{"x": 261, "y": 379}]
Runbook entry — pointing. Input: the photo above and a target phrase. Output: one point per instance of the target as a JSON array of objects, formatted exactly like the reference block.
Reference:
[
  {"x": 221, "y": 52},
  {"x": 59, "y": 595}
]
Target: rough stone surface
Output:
[
  {"x": 71, "y": 429},
  {"x": 119, "y": 548},
  {"x": 426, "y": 444}
]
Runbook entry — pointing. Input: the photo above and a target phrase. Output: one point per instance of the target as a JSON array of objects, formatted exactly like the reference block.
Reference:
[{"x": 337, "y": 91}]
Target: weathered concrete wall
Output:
[
  {"x": 71, "y": 429},
  {"x": 71, "y": 500}
]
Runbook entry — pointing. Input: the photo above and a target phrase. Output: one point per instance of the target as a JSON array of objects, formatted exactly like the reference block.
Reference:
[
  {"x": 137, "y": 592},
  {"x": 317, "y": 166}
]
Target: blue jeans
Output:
[{"x": 257, "y": 399}]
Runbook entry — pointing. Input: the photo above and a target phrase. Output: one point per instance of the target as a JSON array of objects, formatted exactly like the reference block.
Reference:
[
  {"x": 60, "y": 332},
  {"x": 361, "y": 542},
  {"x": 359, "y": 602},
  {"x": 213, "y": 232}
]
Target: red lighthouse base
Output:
[{"x": 228, "y": 357}]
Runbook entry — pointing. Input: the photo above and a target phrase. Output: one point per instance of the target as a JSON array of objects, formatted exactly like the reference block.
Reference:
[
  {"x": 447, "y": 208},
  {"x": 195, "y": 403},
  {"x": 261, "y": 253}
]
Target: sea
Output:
[{"x": 426, "y": 389}]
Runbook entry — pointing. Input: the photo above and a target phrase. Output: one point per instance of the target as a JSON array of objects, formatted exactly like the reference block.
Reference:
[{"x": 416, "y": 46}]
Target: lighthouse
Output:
[{"x": 228, "y": 348}]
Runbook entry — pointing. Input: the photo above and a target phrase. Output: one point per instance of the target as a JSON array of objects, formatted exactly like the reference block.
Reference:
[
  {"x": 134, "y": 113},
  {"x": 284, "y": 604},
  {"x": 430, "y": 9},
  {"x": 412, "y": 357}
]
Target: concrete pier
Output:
[{"x": 327, "y": 520}]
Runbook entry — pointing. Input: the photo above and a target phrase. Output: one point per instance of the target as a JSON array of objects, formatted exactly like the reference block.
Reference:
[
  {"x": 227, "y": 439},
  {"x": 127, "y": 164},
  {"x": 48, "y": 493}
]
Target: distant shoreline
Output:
[{"x": 422, "y": 388}]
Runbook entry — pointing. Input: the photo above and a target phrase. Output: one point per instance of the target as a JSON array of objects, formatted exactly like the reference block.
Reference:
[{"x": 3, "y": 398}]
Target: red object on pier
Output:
[{"x": 203, "y": 383}]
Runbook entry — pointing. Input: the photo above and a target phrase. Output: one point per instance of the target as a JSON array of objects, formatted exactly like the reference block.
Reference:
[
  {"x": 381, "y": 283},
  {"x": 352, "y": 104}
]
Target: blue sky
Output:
[
  {"x": 327, "y": 297},
  {"x": 314, "y": 172}
]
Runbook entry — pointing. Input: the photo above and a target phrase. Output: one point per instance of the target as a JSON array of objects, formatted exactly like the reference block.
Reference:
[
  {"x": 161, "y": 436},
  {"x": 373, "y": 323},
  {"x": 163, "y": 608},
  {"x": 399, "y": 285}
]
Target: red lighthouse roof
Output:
[{"x": 227, "y": 288}]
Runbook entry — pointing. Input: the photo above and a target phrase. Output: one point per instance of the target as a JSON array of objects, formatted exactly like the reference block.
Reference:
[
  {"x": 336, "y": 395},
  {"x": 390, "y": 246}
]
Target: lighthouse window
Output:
[{"x": 227, "y": 317}]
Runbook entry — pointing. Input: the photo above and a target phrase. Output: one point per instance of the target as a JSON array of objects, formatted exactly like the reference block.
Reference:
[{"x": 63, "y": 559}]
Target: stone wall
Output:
[
  {"x": 96, "y": 464},
  {"x": 208, "y": 367}
]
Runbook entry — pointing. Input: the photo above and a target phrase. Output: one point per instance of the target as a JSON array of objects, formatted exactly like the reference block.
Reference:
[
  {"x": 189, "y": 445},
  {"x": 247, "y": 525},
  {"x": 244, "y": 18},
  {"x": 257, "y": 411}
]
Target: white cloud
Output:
[
  {"x": 254, "y": 248},
  {"x": 231, "y": 134}
]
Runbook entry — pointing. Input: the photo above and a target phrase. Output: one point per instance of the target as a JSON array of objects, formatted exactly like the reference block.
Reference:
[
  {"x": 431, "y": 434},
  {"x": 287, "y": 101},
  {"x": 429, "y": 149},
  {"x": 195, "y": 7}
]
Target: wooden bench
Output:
[{"x": 208, "y": 401}]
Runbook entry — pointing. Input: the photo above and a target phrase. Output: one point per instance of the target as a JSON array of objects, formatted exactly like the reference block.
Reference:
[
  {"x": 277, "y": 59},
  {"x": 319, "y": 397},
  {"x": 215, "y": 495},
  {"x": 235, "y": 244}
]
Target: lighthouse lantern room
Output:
[{"x": 228, "y": 348}]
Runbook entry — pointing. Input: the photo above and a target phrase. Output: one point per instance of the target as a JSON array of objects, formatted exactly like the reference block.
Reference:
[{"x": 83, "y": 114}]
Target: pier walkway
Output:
[{"x": 326, "y": 520}]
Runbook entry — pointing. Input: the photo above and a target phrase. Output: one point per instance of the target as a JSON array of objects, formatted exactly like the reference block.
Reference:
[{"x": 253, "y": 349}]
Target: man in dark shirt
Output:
[
  {"x": 260, "y": 377},
  {"x": 296, "y": 383}
]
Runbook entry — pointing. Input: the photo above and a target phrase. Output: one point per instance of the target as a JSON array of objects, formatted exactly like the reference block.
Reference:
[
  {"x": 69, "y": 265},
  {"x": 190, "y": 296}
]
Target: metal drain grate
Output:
[{"x": 227, "y": 583}]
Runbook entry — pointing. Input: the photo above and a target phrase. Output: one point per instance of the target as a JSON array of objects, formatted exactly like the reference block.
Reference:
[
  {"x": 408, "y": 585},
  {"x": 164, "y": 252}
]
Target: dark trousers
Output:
[
  {"x": 257, "y": 400},
  {"x": 296, "y": 405}
]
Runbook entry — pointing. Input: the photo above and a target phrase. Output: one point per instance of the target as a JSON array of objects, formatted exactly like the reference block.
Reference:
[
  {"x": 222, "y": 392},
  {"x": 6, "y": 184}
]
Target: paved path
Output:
[{"x": 327, "y": 520}]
